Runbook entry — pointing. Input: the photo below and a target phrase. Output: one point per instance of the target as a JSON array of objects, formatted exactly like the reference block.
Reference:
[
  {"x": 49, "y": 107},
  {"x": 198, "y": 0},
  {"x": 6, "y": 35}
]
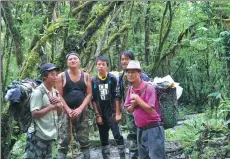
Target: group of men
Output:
[{"x": 68, "y": 95}]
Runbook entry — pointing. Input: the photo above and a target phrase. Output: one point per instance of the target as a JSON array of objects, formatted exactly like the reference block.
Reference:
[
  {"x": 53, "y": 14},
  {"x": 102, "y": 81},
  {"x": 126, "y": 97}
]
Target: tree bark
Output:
[
  {"x": 95, "y": 24},
  {"x": 46, "y": 22},
  {"x": 102, "y": 42},
  {"x": 147, "y": 34},
  {"x": 114, "y": 37},
  {"x": 163, "y": 38},
  {"x": 17, "y": 38},
  {"x": 86, "y": 6},
  {"x": 31, "y": 59},
  {"x": 7, "y": 68},
  {"x": 82, "y": 13}
]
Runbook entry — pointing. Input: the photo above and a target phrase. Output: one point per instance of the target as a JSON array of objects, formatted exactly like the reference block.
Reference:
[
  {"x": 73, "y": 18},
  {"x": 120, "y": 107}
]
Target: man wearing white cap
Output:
[{"x": 140, "y": 100}]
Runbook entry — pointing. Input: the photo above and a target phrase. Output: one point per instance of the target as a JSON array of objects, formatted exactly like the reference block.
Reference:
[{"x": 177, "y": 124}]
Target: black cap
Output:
[{"x": 48, "y": 67}]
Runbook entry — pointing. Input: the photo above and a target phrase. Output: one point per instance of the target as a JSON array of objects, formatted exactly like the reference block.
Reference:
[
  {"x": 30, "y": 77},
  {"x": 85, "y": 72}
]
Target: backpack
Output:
[
  {"x": 18, "y": 93},
  {"x": 167, "y": 100},
  {"x": 167, "y": 103}
]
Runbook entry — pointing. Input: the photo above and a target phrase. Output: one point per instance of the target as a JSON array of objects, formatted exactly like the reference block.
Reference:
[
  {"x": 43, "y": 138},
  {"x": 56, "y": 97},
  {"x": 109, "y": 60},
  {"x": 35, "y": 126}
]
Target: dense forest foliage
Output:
[{"x": 188, "y": 40}]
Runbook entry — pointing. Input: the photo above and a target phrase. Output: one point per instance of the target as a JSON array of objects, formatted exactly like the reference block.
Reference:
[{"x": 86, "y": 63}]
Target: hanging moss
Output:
[
  {"x": 115, "y": 36},
  {"x": 28, "y": 65},
  {"x": 83, "y": 7},
  {"x": 33, "y": 56},
  {"x": 95, "y": 24}
]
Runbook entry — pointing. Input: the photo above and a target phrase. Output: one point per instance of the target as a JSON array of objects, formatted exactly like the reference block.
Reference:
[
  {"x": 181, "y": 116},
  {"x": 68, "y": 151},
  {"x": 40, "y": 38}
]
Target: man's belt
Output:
[{"x": 151, "y": 125}]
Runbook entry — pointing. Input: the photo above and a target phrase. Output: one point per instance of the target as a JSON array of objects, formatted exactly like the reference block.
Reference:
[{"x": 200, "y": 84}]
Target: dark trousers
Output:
[
  {"x": 110, "y": 123},
  {"x": 37, "y": 148}
]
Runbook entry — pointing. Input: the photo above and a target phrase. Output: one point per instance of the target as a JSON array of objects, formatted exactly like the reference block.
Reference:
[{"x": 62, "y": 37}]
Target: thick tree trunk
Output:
[
  {"x": 147, "y": 34},
  {"x": 102, "y": 42},
  {"x": 82, "y": 12},
  {"x": 33, "y": 56},
  {"x": 8, "y": 133},
  {"x": 5, "y": 50},
  {"x": 164, "y": 36},
  {"x": 7, "y": 67},
  {"x": 114, "y": 37},
  {"x": 46, "y": 23},
  {"x": 10, "y": 22},
  {"x": 95, "y": 24}
]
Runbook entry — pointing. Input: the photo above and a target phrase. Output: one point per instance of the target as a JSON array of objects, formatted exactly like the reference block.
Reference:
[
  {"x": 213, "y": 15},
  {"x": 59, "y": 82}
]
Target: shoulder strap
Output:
[
  {"x": 109, "y": 78},
  {"x": 143, "y": 89},
  {"x": 43, "y": 92},
  {"x": 86, "y": 76},
  {"x": 94, "y": 82},
  {"x": 63, "y": 78}
]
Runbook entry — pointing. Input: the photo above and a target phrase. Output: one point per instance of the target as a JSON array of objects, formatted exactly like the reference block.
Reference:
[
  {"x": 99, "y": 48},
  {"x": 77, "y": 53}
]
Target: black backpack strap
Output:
[
  {"x": 109, "y": 81},
  {"x": 95, "y": 88},
  {"x": 120, "y": 82}
]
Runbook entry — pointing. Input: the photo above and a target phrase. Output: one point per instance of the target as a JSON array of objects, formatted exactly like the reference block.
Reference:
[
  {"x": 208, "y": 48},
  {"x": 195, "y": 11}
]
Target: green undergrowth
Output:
[{"x": 204, "y": 135}]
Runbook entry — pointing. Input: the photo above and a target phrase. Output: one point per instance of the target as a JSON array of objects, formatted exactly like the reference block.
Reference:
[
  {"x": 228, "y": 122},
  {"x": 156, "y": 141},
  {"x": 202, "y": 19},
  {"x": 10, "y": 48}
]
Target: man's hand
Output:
[
  {"x": 118, "y": 117},
  {"x": 133, "y": 98},
  {"x": 69, "y": 111},
  {"x": 76, "y": 112},
  {"x": 99, "y": 120},
  {"x": 54, "y": 100},
  {"x": 59, "y": 108},
  {"x": 58, "y": 105}
]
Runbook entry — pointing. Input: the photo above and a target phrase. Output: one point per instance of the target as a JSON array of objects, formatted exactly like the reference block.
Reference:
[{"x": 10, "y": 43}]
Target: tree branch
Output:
[
  {"x": 83, "y": 7},
  {"x": 95, "y": 24}
]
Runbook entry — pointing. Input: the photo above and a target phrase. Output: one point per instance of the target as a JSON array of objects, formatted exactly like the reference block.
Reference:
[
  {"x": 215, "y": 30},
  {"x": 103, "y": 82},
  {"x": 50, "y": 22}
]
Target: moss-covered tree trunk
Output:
[
  {"x": 95, "y": 24},
  {"x": 45, "y": 24},
  {"x": 147, "y": 34},
  {"x": 17, "y": 38}
]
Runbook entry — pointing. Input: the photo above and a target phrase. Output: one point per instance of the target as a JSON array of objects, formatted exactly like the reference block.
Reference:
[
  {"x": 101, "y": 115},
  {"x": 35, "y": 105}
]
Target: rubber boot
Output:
[
  {"x": 61, "y": 155},
  {"x": 86, "y": 154},
  {"x": 105, "y": 152},
  {"x": 133, "y": 154},
  {"x": 121, "y": 149}
]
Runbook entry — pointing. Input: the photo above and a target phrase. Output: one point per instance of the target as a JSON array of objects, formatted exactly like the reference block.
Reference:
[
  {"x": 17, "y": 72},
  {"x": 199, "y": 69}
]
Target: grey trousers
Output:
[{"x": 151, "y": 143}]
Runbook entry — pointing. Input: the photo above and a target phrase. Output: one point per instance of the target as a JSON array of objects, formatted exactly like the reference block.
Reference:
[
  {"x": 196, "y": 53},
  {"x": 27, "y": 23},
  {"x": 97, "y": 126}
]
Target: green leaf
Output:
[
  {"x": 227, "y": 122},
  {"x": 215, "y": 94}
]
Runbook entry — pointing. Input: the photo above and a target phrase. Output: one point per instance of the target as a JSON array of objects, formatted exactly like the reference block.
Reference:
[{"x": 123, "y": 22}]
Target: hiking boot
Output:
[
  {"x": 86, "y": 154},
  {"x": 61, "y": 155},
  {"x": 105, "y": 152},
  {"x": 133, "y": 154},
  {"x": 121, "y": 150}
]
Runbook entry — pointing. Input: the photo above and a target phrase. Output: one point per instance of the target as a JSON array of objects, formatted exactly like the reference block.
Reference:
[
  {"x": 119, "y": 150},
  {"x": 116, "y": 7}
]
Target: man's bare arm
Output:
[
  {"x": 36, "y": 114},
  {"x": 59, "y": 86},
  {"x": 88, "y": 92}
]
